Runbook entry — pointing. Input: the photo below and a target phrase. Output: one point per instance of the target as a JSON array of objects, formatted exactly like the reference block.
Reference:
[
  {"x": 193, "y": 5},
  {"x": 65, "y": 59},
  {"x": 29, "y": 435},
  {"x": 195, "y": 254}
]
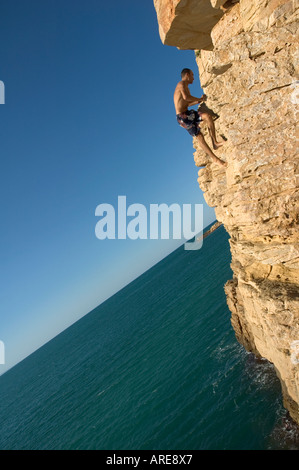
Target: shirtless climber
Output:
[{"x": 190, "y": 119}]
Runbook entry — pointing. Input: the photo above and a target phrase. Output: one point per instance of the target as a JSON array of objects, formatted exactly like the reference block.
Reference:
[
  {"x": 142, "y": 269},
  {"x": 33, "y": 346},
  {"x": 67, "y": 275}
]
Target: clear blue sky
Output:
[{"x": 88, "y": 116}]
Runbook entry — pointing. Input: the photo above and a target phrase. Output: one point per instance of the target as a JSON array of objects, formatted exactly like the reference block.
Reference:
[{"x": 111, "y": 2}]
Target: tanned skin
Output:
[{"x": 182, "y": 100}]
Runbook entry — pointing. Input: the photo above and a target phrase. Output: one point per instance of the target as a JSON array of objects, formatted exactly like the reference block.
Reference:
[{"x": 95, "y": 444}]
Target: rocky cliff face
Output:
[{"x": 248, "y": 68}]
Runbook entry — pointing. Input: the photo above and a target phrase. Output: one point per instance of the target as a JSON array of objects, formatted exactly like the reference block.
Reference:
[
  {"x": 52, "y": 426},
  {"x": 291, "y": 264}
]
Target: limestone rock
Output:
[
  {"x": 186, "y": 24},
  {"x": 250, "y": 75}
]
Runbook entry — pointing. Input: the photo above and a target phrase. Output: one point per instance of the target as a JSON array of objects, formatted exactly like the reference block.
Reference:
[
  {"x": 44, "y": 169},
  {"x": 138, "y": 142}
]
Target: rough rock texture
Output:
[
  {"x": 186, "y": 24},
  {"x": 250, "y": 79}
]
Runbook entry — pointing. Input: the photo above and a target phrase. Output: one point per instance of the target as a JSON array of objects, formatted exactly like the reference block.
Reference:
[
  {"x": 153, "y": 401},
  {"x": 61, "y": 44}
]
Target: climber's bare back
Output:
[
  {"x": 182, "y": 97},
  {"x": 181, "y": 105}
]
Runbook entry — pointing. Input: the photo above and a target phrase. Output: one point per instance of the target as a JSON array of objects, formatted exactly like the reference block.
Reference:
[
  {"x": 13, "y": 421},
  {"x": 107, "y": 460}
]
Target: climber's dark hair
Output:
[{"x": 184, "y": 71}]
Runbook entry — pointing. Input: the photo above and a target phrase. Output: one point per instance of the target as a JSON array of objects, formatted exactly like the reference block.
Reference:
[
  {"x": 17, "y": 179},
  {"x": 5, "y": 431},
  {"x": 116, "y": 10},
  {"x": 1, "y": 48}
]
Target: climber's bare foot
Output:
[{"x": 217, "y": 145}]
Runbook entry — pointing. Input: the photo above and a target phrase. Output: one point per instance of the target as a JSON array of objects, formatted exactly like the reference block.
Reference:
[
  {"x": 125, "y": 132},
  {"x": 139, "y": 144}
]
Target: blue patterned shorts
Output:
[{"x": 190, "y": 120}]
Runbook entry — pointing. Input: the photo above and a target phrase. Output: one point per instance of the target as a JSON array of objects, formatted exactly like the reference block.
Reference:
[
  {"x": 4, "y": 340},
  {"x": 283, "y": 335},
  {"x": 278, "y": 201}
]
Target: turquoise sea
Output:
[{"x": 156, "y": 366}]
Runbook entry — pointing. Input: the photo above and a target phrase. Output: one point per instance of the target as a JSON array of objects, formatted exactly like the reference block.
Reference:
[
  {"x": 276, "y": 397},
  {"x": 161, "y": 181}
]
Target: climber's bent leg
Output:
[
  {"x": 206, "y": 148},
  {"x": 207, "y": 118}
]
